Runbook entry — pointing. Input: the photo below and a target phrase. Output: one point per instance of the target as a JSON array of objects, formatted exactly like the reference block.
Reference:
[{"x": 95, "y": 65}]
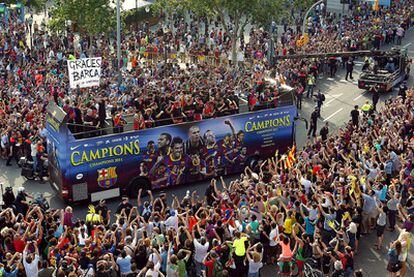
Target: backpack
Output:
[
  {"x": 217, "y": 269},
  {"x": 307, "y": 250}
]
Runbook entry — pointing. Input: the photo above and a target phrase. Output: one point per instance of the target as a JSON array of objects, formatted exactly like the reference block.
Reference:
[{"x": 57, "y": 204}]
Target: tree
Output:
[
  {"x": 304, "y": 5},
  {"x": 91, "y": 17},
  {"x": 234, "y": 15},
  {"x": 35, "y": 5}
]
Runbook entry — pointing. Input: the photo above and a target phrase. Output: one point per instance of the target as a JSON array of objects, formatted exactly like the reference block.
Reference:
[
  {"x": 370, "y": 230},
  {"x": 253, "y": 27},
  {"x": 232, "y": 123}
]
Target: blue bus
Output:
[{"x": 111, "y": 165}]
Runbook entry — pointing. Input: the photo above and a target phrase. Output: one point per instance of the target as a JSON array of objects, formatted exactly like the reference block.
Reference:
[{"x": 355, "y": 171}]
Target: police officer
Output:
[
  {"x": 320, "y": 98},
  {"x": 349, "y": 69},
  {"x": 313, "y": 123},
  {"x": 375, "y": 96},
  {"x": 324, "y": 131},
  {"x": 355, "y": 116},
  {"x": 403, "y": 91},
  {"x": 299, "y": 96}
]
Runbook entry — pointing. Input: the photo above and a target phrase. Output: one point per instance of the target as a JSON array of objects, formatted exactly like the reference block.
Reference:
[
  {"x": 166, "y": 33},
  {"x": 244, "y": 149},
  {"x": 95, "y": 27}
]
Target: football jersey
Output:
[
  {"x": 194, "y": 171},
  {"x": 210, "y": 155},
  {"x": 175, "y": 167}
]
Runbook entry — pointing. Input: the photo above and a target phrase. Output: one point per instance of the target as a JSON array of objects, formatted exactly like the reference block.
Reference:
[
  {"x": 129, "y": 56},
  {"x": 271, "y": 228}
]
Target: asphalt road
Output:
[{"x": 341, "y": 96}]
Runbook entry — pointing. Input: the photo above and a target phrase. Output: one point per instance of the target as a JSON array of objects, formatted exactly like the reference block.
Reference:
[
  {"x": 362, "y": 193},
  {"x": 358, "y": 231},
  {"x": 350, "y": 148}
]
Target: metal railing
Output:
[{"x": 78, "y": 130}]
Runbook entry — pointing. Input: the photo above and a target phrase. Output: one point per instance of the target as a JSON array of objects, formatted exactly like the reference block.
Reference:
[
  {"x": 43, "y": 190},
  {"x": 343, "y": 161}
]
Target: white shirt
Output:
[
  {"x": 82, "y": 238},
  {"x": 154, "y": 258},
  {"x": 153, "y": 273},
  {"x": 31, "y": 269},
  {"x": 254, "y": 267},
  {"x": 273, "y": 235},
  {"x": 172, "y": 221},
  {"x": 33, "y": 149},
  {"x": 306, "y": 183},
  {"x": 200, "y": 251}
]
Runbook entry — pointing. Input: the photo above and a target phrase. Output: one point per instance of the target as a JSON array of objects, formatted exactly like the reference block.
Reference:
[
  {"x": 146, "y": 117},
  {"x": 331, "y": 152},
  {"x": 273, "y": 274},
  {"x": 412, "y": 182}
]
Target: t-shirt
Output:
[
  {"x": 309, "y": 226},
  {"x": 328, "y": 218},
  {"x": 153, "y": 272},
  {"x": 200, "y": 251},
  {"x": 392, "y": 204},
  {"x": 182, "y": 267},
  {"x": 46, "y": 272},
  {"x": 254, "y": 267},
  {"x": 273, "y": 236},
  {"x": 210, "y": 267},
  {"x": 288, "y": 225},
  {"x": 239, "y": 246},
  {"x": 172, "y": 270},
  {"x": 13, "y": 273},
  {"x": 124, "y": 264},
  {"x": 369, "y": 203},
  {"x": 31, "y": 269},
  {"x": 382, "y": 219},
  {"x": 306, "y": 184}
]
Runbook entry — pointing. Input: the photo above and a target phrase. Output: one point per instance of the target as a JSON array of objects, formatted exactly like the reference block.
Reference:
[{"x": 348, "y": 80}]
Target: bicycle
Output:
[{"x": 310, "y": 269}]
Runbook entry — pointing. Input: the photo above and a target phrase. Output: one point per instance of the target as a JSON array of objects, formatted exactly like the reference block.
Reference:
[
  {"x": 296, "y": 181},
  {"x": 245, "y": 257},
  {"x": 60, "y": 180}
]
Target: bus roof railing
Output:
[{"x": 129, "y": 126}]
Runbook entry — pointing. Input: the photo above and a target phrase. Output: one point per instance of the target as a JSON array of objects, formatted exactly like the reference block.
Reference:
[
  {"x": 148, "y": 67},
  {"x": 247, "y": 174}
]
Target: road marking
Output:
[
  {"x": 334, "y": 97},
  {"x": 356, "y": 98},
  {"x": 376, "y": 254},
  {"x": 405, "y": 46},
  {"x": 329, "y": 117}
]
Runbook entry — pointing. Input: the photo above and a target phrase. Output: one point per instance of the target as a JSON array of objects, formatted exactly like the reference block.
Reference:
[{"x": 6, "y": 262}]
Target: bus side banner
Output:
[{"x": 183, "y": 153}]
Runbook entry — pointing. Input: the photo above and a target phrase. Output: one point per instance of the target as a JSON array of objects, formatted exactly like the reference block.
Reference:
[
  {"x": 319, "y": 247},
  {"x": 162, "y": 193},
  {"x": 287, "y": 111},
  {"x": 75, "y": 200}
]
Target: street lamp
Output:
[
  {"x": 271, "y": 50},
  {"x": 118, "y": 41},
  {"x": 30, "y": 21},
  {"x": 307, "y": 14}
]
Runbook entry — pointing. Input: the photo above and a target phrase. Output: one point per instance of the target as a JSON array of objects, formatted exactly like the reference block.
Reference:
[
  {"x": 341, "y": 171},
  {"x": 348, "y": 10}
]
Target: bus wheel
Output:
[{"x": 136, "y": 184}]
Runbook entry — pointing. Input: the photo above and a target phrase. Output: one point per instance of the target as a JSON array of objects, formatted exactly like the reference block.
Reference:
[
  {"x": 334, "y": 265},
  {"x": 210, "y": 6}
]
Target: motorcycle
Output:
[
  {"x": 41, "y": 201},
  {"x": 28, "y": 169}
]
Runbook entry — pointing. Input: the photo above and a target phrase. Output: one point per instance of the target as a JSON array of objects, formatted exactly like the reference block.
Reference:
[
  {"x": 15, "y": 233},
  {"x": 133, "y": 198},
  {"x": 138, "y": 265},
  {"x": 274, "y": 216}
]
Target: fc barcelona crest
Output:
[{"x": 107, "y": 177}]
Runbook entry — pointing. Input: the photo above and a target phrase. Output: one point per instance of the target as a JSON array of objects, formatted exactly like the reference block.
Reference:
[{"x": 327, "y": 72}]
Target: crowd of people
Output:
[
  {"x": 164, "y": 79},
  {"x": 317, "y": 210},
  {"x": 340, "y": 188}
]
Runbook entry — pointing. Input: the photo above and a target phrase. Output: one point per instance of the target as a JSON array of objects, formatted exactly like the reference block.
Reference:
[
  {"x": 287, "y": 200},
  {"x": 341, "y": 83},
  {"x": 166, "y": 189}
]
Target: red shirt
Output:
[
  {"x": 19, "y": 245},
  {"x": 192, "y": 221},
  {"x": 210, "y": 267}
]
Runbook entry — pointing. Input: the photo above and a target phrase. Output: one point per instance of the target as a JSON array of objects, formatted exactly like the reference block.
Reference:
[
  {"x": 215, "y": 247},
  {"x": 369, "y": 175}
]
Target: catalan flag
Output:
[
  {"x": 291, "y": 159},
  {"x": 376, "y": 5}
]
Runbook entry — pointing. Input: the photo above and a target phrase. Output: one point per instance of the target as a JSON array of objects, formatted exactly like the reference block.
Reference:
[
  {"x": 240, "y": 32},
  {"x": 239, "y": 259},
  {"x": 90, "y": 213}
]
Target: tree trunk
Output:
[
  {"x": 90, "y": 46},
  {"x": 234, "y": 49}
]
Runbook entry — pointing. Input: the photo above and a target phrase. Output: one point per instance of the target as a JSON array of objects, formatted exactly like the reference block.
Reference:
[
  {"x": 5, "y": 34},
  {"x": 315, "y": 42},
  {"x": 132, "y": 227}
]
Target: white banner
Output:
[{"x": 84, "y": 72}]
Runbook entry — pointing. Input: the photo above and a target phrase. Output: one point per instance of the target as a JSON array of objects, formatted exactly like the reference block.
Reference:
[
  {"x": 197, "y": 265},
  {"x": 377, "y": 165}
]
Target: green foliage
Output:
[
  {"x": 168, "y": 6},
  {"x": 140, "y": 15},
  {"x": 91, "y": 17},
  {"x": 35, "y": 5},
  {"x": 237, "y": 13},
  {"x": 234, "y": 13},
  {"x": 270, "y": 11},
  {"x": 303, "y": 4}
]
